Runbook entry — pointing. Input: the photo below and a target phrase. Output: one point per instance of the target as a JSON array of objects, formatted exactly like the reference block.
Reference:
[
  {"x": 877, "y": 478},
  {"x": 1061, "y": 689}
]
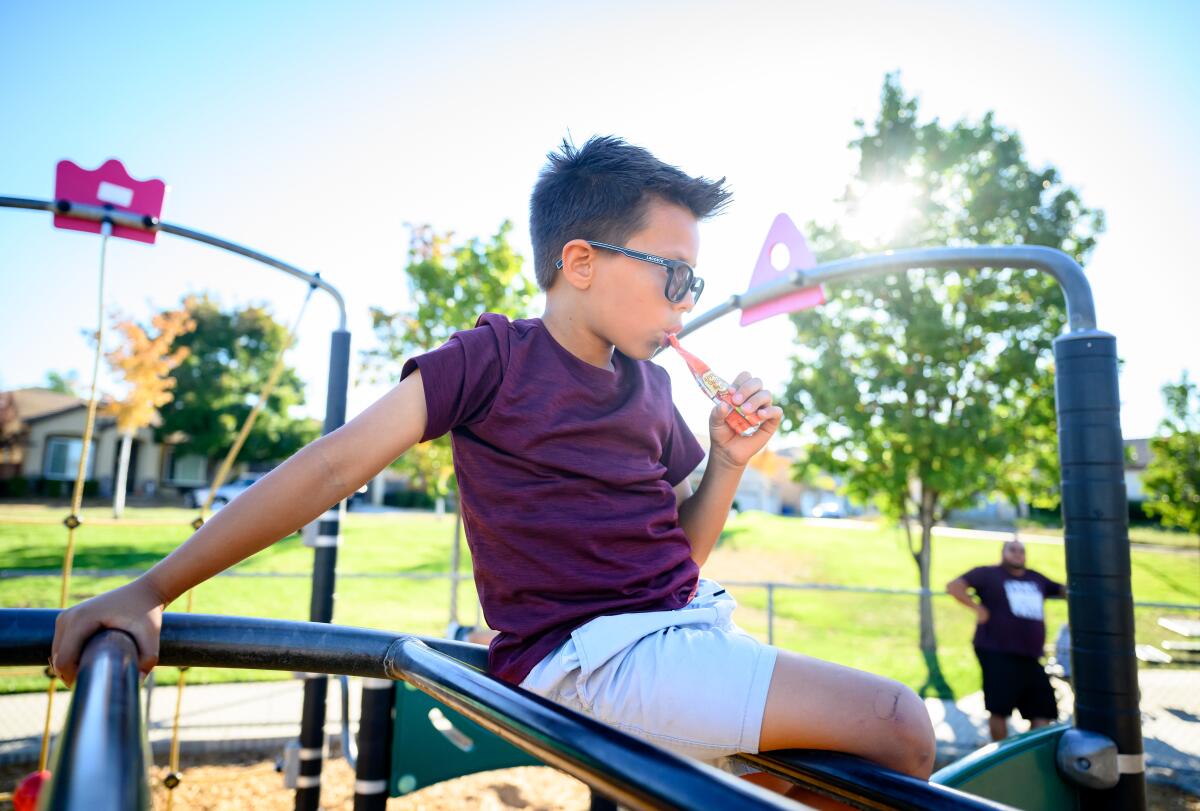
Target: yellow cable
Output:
[{"x": 72, "y": 521}]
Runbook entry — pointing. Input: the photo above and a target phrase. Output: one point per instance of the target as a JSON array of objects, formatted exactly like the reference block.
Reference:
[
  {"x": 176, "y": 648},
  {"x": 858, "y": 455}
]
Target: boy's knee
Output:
[{"x": 911, "y": 742}]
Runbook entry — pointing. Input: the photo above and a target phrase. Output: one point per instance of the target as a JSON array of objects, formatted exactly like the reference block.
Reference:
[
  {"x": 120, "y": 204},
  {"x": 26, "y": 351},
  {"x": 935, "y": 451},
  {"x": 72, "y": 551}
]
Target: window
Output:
[
  {"x": 188, "y": 469},
  {"x": 61, "y": 460}
]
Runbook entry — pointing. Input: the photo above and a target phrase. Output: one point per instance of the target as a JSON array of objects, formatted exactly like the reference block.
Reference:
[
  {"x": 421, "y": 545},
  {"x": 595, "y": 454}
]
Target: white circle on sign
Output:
[{"x": 780, "y": 256}]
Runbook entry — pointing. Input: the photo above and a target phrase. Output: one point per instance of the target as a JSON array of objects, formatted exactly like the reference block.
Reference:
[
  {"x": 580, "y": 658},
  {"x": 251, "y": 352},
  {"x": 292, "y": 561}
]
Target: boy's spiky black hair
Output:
[{"x": 600, "y": 192}]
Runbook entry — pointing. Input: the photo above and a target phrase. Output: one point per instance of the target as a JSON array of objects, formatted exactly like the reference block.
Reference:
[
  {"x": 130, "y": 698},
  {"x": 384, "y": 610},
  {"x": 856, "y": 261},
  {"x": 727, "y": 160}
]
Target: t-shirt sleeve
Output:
[
  {"x": 976, "y": 577},
  {"x": 461, "y": 377},
  {"x": 1052, "y": 588},
  {"x": 682, "y": 452}
]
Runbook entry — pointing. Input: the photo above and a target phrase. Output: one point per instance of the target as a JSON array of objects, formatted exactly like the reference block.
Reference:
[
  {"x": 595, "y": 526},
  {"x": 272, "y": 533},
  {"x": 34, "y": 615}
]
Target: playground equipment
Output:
[
  {"x": 101, "y": 753},
  {"x": 1098, "y": 763},
  {"x": 109, "y": 201}
]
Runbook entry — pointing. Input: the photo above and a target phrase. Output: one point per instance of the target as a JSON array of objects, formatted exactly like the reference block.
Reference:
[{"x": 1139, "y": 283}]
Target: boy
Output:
[{"x": 572, "y": 466}]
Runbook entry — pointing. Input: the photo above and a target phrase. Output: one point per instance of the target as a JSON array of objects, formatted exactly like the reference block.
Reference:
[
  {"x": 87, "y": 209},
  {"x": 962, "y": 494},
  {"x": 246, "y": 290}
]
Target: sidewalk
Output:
[{"x": 213, "y": 718}]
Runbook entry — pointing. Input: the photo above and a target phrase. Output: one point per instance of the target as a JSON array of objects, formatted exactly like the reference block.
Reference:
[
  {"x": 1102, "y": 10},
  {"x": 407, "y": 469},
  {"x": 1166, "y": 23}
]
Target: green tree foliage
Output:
[
  {"x": 1172, "y": 478},
  {"x": 929, "y": 389},
  {"x": 230, "y": 355},
  {"x": 62, "y": 382},
  {"x": 450, "y": 284}
]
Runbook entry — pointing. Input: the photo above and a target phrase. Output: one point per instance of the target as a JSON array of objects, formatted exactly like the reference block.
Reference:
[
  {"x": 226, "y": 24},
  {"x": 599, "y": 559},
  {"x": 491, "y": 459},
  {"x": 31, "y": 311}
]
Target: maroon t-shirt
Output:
[
  {"x": 565, "y": 474},
  {"x": 1016, "y": 619}
]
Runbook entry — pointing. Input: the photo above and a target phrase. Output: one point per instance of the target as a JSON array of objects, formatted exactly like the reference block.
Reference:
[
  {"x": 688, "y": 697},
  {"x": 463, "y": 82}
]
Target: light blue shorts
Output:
[{"x": 689, "y": 680}]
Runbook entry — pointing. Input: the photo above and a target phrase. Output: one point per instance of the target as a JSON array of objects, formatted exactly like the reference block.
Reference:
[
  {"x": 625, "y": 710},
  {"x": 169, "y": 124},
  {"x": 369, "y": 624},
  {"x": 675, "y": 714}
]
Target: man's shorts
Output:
[
  {"x": 689, "y": 680},
  {"x": 1012, "y": 681}
]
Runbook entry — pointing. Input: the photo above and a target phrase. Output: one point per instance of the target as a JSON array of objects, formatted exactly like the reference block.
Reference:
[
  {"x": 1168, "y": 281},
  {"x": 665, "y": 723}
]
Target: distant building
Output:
[
  {"x": 50, "y": 425},
  {"x": 767, "y": 485},
  {"x": 1137, "y": 457}
]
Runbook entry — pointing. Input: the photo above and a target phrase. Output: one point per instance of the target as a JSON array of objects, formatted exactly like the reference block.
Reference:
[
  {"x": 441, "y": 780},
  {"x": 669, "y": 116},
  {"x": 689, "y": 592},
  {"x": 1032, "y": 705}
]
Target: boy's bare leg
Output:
[
  {"x": 998, "y": 726},
  {"x": 813, "y": 704}
]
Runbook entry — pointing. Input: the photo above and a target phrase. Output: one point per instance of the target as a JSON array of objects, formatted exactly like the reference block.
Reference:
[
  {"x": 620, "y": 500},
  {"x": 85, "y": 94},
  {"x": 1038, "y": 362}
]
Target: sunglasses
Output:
[{"x": 681, "y": 278}]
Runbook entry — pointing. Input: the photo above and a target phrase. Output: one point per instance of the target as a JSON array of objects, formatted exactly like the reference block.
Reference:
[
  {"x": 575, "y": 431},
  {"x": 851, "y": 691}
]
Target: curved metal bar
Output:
[
  {"x": 1081, "y": 309},
  {"x": 143, "y": 223},
  {"x": 100, "y": 762},
  {"x": 852, "y": 779},
  {"x": 630, "y": 771}
]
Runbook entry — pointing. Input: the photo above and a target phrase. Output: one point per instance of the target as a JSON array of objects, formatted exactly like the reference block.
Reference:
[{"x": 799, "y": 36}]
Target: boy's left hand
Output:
[{"x": 751, "y": 397}]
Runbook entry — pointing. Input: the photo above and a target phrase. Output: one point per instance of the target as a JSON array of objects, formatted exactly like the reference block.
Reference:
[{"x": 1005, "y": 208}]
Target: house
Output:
[
  {"x": 1137, "y": 457},
  {"x": 45, "y": 430},
  {"x": 767, "y": 484}
]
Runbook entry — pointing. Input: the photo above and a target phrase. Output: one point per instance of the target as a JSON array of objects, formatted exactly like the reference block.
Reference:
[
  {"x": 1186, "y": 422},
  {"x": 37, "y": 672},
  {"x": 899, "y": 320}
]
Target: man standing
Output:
[{"x": 1009, "y": 637}]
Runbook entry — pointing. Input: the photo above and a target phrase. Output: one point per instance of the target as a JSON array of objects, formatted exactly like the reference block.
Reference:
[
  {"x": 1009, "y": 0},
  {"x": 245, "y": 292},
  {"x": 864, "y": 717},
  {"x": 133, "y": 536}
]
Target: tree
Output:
[
  {"x": 929, "y": 389},
  {"x": 1172, "y": 478},
  {"x": 145, "y": 361},
  {"x": 450, "y": 284},
  {"x": 14, "y": 432},
  {"x": 230, "y": 356},
  {"x": 62, "y": 382}
]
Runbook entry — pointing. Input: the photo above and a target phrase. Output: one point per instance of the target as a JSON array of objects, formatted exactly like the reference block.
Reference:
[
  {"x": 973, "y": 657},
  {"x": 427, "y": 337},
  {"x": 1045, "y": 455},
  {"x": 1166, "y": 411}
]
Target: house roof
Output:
[{"x": 36, "y": 403}]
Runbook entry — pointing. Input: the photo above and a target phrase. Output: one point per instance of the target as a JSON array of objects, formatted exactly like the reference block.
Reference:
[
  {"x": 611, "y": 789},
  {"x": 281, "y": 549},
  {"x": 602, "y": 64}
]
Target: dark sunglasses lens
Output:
[
  {"x": 680, "y": 282},
  {"x": 697, "y": 289}
]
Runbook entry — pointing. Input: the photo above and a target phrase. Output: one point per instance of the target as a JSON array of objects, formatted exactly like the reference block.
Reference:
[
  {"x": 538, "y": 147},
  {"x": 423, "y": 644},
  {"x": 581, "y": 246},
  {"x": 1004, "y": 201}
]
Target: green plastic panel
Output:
[
  {"x": 433, "y": 743},
  {"x": 1019, "y": 771}
]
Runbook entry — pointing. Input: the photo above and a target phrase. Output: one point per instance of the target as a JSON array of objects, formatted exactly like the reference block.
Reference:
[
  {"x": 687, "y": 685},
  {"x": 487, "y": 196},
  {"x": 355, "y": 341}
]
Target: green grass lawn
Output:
[{"x": 872, "y": 631}]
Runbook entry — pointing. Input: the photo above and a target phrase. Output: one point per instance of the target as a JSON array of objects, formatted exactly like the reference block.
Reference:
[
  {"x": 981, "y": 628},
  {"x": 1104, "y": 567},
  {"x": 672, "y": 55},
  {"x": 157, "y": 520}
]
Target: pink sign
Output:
[
  {"x": 110, "y": 185},
  {"x": 783, "y": 232}
]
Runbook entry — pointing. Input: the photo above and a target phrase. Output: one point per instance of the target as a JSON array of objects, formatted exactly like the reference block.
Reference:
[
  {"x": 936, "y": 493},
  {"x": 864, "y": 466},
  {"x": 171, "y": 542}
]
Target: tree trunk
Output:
[
  {"x": 924, "y": 559},
  {"x": 122, "y": 474},
  {"x": 935, "y": 682}
]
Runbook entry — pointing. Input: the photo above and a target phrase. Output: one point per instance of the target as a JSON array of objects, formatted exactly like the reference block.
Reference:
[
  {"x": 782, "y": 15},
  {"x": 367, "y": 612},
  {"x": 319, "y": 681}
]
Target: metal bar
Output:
[
  {"x": 101, "y": 759},
  {"x": 627, "y": 770},
  {"x": 324, "y": 577},
  {"x": 849, "y": 778},
  {"x": 1096, "y": 533},
  {"x": 1081, "y": 310},
  {"x": 375, "y": 732},
  {"x": 142, "y": 223},
  {"x": 634, "y": 773}
]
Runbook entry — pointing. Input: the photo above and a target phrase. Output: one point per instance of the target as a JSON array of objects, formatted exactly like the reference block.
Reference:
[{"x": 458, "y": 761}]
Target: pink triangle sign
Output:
[{"x": 783, "y": 232}]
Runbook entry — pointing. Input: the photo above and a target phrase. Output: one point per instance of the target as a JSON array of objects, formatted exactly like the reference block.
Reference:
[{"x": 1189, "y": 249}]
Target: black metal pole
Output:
[
  {"x": 1096, "y": 529},
  {"x": 316, "y": 686},
  {"x": 375, "y": 727},
  {"x": 101, "y": 759}
]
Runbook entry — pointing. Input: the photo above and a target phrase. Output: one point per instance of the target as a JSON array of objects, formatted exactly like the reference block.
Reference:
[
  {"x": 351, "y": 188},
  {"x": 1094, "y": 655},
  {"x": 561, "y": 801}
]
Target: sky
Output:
[{"x": 314, "y": 132}]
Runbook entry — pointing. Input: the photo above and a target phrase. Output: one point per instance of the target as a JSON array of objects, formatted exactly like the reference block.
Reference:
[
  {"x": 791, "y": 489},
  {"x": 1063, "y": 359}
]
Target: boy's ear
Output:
[{"x": 578, "y": 264}]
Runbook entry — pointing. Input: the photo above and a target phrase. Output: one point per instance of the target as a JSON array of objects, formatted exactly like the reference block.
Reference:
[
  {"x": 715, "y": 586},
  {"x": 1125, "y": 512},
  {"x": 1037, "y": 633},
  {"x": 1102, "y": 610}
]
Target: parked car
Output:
[
  {"x": 828, "y": 509},
  {"x": 225, "y": 493}
]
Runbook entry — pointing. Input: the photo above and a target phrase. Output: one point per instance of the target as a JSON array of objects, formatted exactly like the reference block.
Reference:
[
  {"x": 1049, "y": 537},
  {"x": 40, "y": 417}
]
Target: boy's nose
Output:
[{"x": 686, "y": 304}]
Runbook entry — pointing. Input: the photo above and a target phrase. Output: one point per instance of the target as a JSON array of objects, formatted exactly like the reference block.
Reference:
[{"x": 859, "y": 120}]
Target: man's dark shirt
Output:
[{"x": 1015, "y": 609}]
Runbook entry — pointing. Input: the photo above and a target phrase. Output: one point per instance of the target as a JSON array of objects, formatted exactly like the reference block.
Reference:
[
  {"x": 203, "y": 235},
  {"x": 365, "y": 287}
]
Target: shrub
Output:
[{"x": 410, "y": 499}]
